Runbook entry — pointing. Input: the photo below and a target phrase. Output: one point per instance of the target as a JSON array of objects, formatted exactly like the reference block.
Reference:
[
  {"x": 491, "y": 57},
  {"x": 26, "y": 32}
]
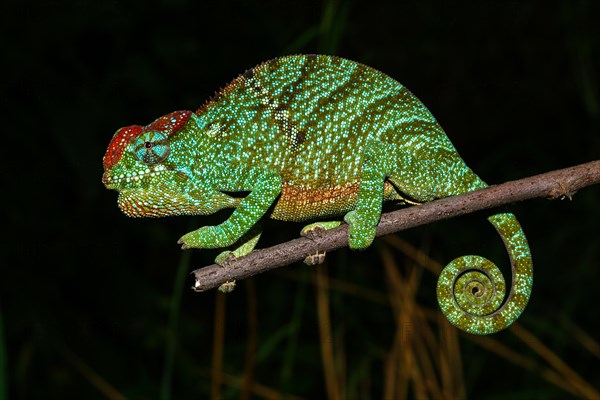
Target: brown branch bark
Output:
[{"x": 561, "y": 183}]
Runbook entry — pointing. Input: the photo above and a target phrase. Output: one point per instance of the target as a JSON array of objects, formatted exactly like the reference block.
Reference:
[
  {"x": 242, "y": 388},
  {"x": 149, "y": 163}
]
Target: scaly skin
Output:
[{"x": 316, "y": 137}]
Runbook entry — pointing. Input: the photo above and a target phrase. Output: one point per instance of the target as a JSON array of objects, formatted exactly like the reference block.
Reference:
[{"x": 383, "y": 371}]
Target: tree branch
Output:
[{"x": 561, "y": 183}]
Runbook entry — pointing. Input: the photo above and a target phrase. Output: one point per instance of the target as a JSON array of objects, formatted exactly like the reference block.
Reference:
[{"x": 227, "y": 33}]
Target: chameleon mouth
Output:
[{"x": 119, "y": 180}]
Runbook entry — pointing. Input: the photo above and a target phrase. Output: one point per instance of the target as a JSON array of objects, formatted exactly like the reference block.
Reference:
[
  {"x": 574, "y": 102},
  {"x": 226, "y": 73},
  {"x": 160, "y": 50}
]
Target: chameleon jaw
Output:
[{"x": 118, "y": 181}]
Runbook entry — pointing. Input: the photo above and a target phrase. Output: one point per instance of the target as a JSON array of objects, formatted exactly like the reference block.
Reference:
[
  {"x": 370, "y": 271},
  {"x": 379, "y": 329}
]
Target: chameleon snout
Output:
[{"x": 107, "y": 181}]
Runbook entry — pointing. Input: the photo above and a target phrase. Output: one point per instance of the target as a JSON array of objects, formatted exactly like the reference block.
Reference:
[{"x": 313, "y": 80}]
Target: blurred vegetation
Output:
[{"x": 96, "y": 305}]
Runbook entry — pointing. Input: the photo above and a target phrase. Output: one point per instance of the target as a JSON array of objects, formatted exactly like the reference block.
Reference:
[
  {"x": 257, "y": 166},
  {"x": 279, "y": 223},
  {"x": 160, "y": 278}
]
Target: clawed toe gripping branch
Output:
[{"x": 559, "y": 184}]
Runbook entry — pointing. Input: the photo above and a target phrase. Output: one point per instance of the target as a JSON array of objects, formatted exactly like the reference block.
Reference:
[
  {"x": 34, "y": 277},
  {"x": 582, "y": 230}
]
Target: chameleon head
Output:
[{"x": 137, "y": 165}]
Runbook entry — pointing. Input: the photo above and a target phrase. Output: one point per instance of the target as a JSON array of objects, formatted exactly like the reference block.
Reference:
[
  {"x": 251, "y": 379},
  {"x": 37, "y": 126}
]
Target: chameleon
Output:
[{"x": 313, "y": 138}]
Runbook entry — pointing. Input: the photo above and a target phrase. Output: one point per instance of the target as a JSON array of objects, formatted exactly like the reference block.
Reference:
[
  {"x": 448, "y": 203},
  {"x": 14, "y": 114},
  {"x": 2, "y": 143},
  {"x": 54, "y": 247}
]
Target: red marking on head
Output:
[
  {"x": 118, "y": 144},
  {"x": 168, "y": 124}
]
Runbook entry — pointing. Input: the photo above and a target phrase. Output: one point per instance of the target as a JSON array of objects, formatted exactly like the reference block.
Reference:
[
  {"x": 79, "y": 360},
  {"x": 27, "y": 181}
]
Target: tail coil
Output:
[{"x": 470, "y": 289}]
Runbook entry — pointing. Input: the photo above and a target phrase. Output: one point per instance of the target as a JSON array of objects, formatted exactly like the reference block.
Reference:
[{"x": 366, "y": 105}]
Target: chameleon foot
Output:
[
  {"x": 225, "y": 259},
  {"x": 316, "y": 258},
  {"x": 207, "y": 237},
  {"x": 314, "y": 231},
  {"x": 360, "y": 236},
  {"x": 227, "y": 287}
]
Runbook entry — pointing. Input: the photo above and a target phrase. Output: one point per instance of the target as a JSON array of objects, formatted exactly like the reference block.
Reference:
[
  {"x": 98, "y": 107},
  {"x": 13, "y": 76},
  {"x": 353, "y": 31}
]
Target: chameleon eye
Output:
[{"x": 151, "y": 147}]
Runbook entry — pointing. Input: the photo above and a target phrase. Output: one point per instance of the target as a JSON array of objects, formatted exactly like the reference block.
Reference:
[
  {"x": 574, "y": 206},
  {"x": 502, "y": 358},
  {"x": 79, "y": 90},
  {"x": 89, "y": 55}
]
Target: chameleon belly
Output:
[
  {"x": 309, "y": 137},
  {"x": 305, "y": 204}
]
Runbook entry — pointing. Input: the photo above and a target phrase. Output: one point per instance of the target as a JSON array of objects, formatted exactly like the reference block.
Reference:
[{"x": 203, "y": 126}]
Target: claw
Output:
[
  {"x": 314, "y": 232},
  {"x": 225, "y": 259},
  {"x": 227, "y": 287},
  {"x": 316, "y": 258}
]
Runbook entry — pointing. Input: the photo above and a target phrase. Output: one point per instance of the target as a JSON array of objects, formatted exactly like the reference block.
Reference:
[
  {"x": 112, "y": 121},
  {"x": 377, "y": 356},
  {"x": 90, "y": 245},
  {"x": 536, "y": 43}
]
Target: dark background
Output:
[{"x": 97, "y": 305}]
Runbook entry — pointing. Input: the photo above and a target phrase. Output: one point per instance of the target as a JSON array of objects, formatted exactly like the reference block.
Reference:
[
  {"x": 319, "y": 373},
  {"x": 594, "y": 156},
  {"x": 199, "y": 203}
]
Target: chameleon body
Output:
[{"x": 312, "y": 137}]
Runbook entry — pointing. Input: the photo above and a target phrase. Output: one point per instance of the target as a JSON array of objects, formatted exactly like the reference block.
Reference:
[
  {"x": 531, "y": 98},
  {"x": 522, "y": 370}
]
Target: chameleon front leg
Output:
[{"x": 246, "y": 214}]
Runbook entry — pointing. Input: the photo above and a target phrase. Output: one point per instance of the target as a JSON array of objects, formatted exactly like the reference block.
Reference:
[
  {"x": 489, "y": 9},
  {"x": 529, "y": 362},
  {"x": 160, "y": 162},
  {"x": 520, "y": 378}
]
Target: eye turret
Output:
[{"x": 151, "y": 147}]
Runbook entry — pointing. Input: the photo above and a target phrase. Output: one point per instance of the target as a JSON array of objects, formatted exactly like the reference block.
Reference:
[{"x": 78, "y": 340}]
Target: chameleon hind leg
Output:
[
  {"x": 364, "y": 218},
  {"x": 471, "y": 289}
]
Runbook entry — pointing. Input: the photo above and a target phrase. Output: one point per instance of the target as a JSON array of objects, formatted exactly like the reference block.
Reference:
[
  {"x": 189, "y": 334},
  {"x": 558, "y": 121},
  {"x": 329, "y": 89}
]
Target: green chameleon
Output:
[{"x": 311, "y": 138}]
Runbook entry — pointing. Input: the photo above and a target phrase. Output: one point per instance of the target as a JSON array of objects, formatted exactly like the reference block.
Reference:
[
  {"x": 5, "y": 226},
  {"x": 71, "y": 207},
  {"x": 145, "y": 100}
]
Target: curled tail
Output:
[{"x": 470, "y": 289}]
